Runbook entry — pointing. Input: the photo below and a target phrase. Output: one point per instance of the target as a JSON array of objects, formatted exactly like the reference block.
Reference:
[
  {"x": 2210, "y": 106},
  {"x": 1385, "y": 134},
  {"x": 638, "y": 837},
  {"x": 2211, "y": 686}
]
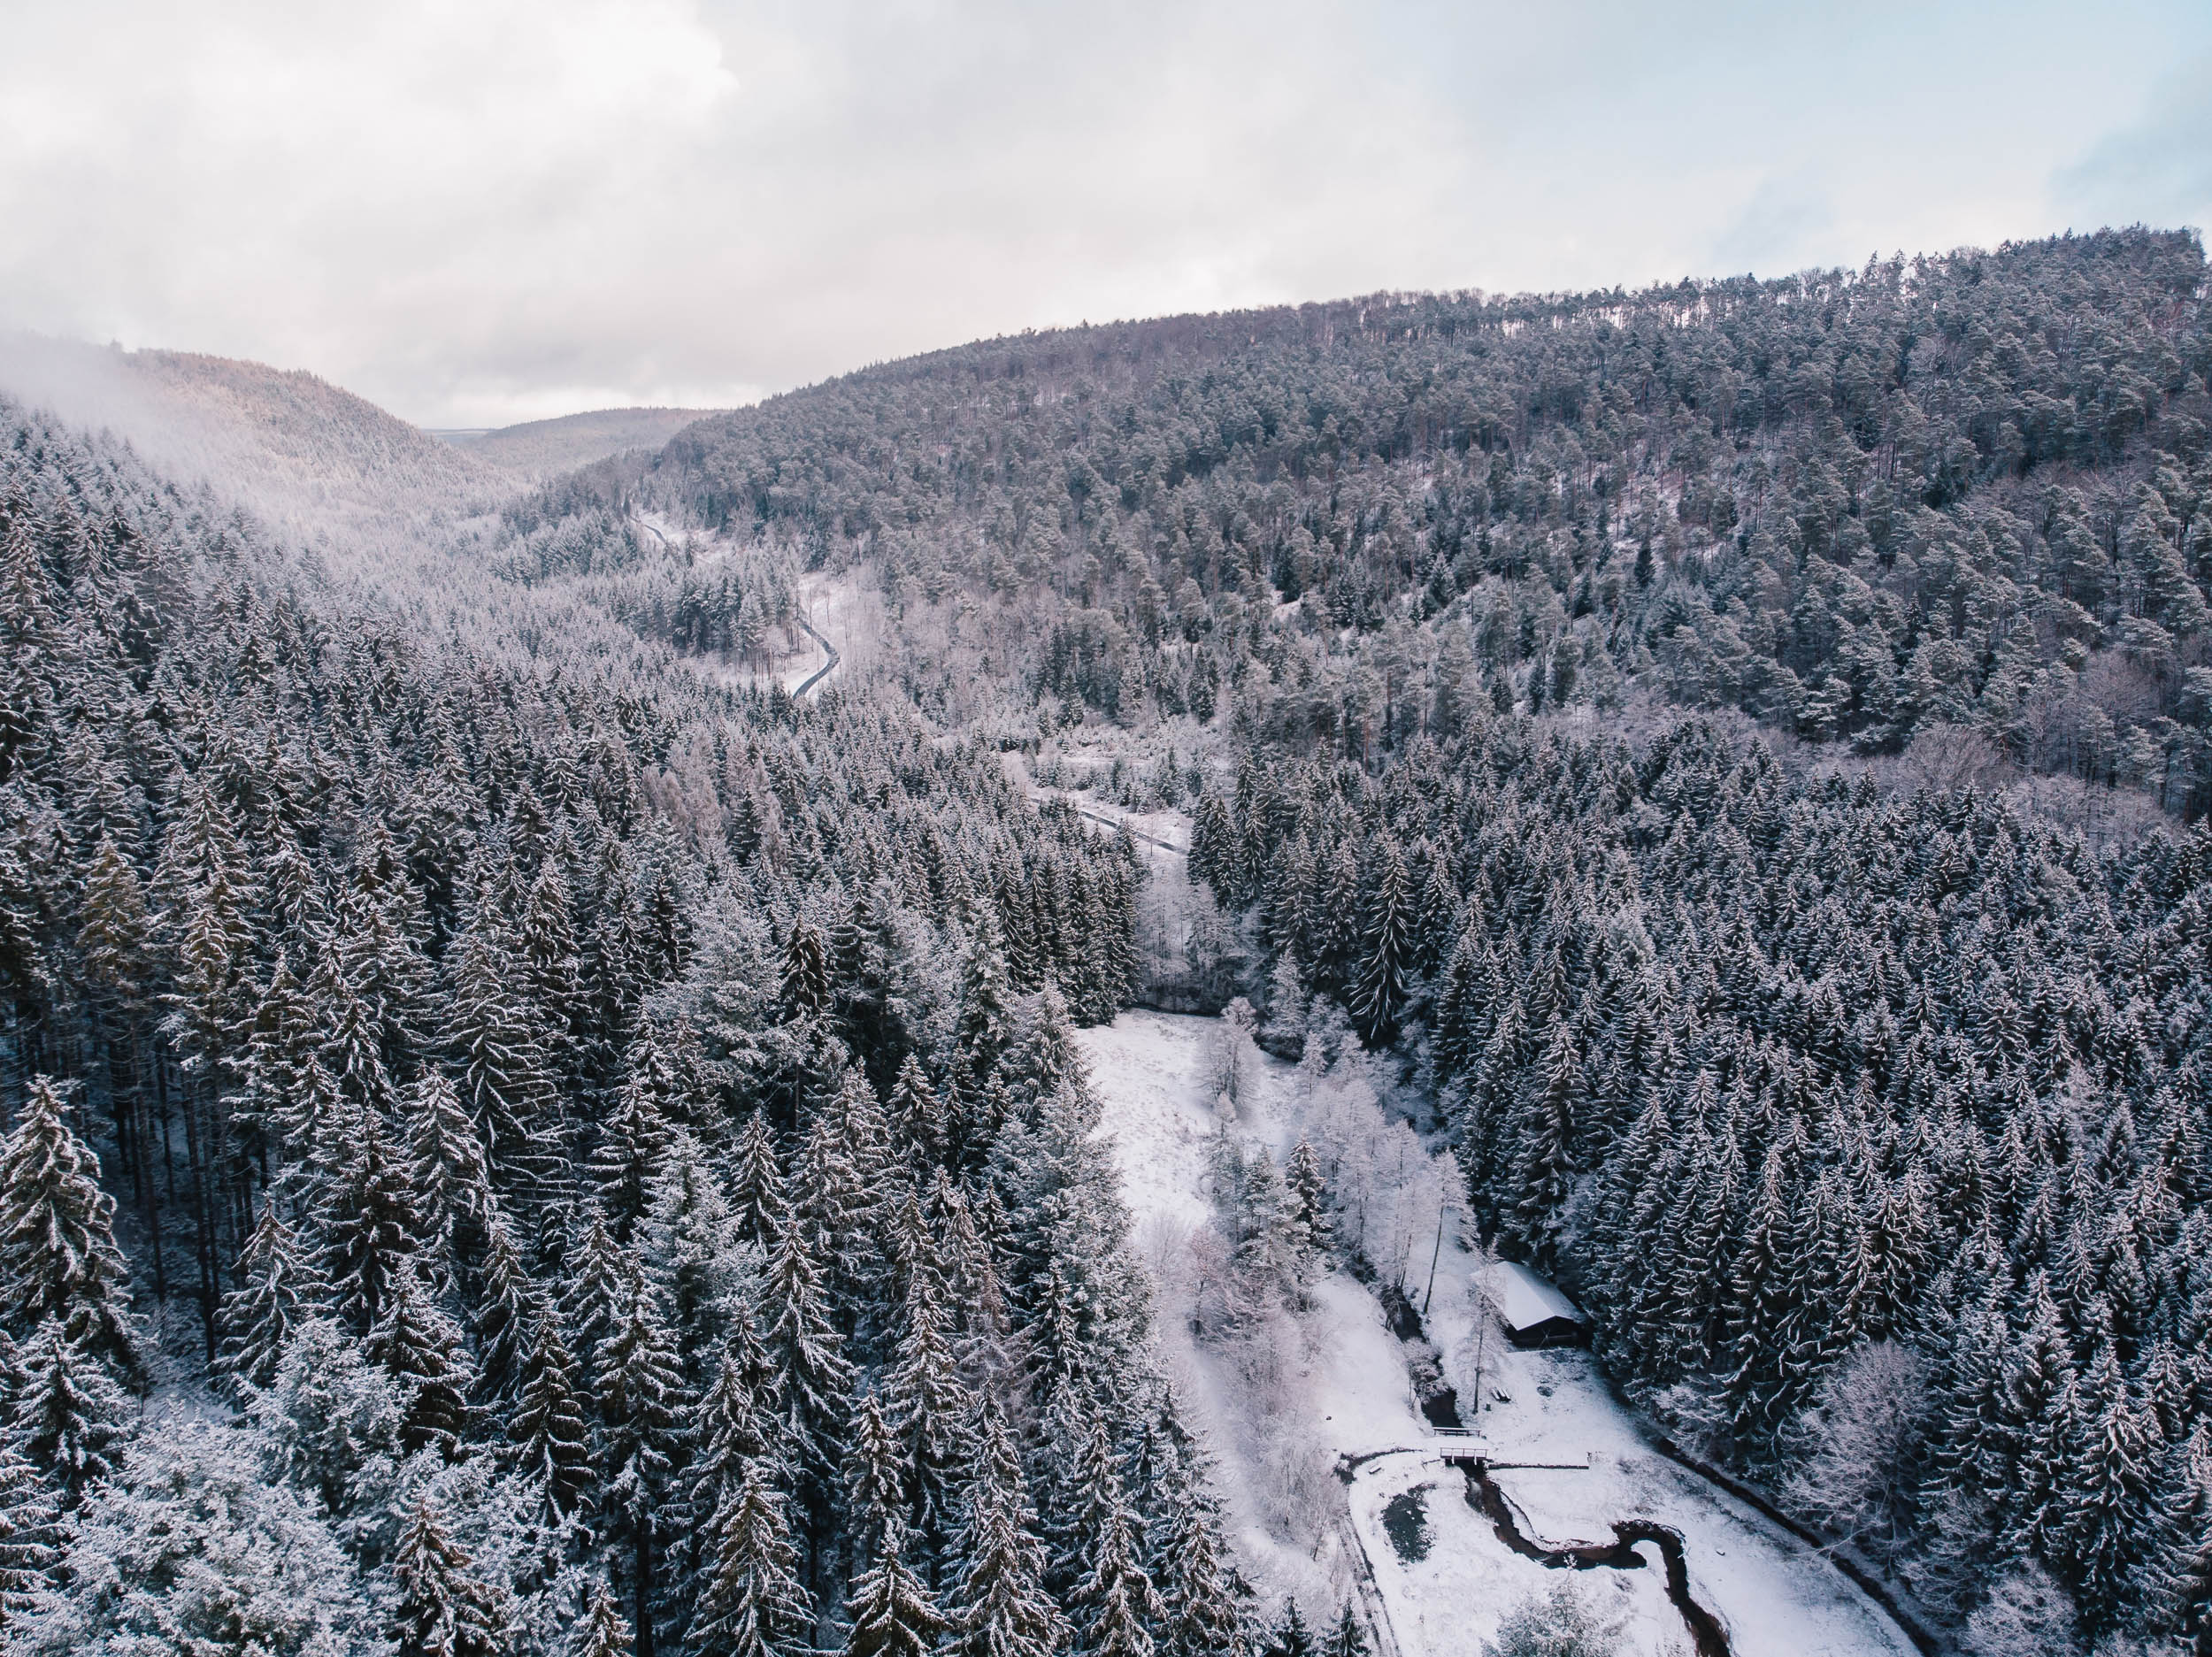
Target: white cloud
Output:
[
  {"x": 2158, "y": 169},
  {"x": 502, "y": 209}
]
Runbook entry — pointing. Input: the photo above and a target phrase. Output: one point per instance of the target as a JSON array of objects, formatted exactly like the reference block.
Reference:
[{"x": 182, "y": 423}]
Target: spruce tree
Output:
[
  {"x": 548, "y": 1427},
  {"x": 999, "y": 1606},
  {"x": 2042, "y": 1419},
  {"x": 1760, "y": 1305},
  {"x": 1198, "y": 1610},
  {"x": 758, "y": 1203},
  {"x": 632, "y": 1140},
  {"x": 447, "y": 1169},
  {"x": 2110, "y": 1497},
  {"x": 1544, "y": 1166},
  {"x": 876, "y": 1477},
  {"x": 1292, "y": 1637},
  {"x": 30, "y": 1534},
  {"x": 929, "y": 1409},
  {"x": 805, "y": 984},
  {"x": 279, "y": 1286},
  {"x": 733, "y": 1433},
  {"x": 495, "y": 1045},
  {"x": 353, "y": 1054},
  {"x": 974, "y": 1291},
  {"x": 1114, "y": 1607},
  {"x": 639, "y": 1380},
  {"x": 690, "y": 1238},
  {"x": 279, "y": 1049},
  {"x": 1349, "y": 1637},
  {"x": 985, "y": 1021},
  {"x": 891, "y": 1611},
  {"x": 441, "y": 1610},
  {"x": 1387, "y": 945},
  {"x": 507, "y": 1305},
  {"x": 69, "y": 1418},
  {"x": 1310, "y": 1232},
  {"x": 593, "y": 1298},
  {"x": 366, "y": 1218},
  {"x": 816, "y": 1379},
  {"x": 751, "y": 1602},
  {"x": 57, "y": 1255},
  {"x": 837, "y": 1208},
  {"x": 305, "y": 1122},
  {"x": 114, "y": 937},
  {"x": 547, "y": 944},
  {"x": 419, "y": 1346},
  {"x": 603, "y": 1630},
  {"x": 916, "y": 1114}
]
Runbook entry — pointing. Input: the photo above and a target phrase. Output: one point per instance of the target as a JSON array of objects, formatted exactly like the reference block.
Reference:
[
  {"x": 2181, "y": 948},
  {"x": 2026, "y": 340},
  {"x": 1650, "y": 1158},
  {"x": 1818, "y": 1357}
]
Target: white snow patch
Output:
[
  {"x": 1454, "y": 1600},
  {"x": 1157, "y": 1074}
]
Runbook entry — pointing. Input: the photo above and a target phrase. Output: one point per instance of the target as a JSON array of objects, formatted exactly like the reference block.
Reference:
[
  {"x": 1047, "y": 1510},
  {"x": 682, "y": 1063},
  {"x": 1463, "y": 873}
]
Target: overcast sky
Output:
[{"x": 478, "y": 213}]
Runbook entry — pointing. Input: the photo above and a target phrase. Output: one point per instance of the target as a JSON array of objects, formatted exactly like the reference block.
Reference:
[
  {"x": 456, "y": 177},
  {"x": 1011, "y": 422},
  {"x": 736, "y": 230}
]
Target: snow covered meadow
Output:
[{"x": 1300, "y": 1391}]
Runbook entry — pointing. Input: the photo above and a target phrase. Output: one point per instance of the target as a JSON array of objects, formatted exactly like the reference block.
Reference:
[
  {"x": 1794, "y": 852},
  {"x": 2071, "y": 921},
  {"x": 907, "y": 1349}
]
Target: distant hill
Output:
[
  {"x": 1971, "y": 489},
  {"x": 293, "y": 446},
  {"x": 540, "y": 449}
]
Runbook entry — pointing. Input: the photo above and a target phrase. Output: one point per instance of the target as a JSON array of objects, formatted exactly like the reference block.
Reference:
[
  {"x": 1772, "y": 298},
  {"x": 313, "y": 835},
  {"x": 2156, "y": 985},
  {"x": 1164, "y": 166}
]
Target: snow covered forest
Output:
[
  {"x": 510, "y": 1142},
  {"x": 517, "y": 1141}
]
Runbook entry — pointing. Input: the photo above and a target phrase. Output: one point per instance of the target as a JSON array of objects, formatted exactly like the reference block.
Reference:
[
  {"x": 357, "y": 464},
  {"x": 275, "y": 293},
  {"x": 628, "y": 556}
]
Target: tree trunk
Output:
[{"x": 642, "y": 1619}]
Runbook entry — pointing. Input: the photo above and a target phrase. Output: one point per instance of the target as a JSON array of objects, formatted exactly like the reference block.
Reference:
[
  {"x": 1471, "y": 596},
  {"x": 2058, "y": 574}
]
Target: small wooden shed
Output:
[{"x": 1533, "y": 1311}]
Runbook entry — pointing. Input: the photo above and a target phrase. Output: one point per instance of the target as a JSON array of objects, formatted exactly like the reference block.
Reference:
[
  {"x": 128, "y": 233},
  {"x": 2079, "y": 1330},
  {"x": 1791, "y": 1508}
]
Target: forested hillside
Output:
[
  {"x": 513, "y": 1146},
  {"x": 1868, "y": 1123},
  {"x": 1964, "y": 489},
  {"x": 512, "y": 1150},
  {"x": 1871, "y": 1128},
  {"x": 324, "y": 464}
]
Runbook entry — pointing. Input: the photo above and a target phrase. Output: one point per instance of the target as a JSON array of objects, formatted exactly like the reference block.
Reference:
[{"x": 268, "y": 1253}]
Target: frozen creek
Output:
[{"x": 1334, "y": 1393}]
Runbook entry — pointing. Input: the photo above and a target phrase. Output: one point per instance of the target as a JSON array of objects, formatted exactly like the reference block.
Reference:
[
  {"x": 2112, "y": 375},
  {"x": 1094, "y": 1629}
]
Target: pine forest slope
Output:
[
  {"x": 518, "y": 1047},
  {"x": 1961, "y": 491}
]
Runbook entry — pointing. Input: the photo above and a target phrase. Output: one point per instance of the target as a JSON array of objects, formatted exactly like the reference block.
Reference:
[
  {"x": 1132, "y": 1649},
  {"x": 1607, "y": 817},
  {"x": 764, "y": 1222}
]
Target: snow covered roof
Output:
[{"x": 1525, "y": 1300}]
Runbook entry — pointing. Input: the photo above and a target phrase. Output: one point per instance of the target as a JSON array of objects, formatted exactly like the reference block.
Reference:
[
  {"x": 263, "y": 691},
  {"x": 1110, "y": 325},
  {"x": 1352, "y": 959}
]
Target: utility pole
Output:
[
  {"x": 1482, "y": 1323},
  {"x": 1435, "y": 1255}
]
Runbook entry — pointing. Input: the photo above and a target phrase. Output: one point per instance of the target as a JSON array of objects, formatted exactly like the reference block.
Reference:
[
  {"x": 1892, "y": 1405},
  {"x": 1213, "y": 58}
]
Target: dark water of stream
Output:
[{"x": 1483, "y": 1494}]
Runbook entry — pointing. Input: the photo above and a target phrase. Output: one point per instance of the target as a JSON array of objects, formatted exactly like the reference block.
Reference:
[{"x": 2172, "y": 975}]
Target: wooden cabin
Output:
[{"x": 1533, "y": 1311}]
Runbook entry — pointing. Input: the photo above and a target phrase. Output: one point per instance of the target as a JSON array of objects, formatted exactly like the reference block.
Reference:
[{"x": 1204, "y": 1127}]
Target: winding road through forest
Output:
[
  {"x": 822, "y": 671},
  {"x": 829, "y": 651}
]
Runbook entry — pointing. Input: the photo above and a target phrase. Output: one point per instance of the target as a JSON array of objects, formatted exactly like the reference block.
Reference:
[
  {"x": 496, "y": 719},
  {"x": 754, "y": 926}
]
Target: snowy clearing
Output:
[
  {"x": 847, "y": 612},
  {"x": 1160, "y": 835},
  {"x": 1346, "y": 1395}
]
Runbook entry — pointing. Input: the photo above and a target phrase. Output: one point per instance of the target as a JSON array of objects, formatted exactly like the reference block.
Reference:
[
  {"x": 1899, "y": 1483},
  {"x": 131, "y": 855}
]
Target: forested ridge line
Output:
[{"x": 1967, "y": 489}]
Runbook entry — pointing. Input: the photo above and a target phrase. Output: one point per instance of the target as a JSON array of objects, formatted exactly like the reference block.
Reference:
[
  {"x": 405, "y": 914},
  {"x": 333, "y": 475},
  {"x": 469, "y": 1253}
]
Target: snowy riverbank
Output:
[{"x": 1336, "y": 1386}]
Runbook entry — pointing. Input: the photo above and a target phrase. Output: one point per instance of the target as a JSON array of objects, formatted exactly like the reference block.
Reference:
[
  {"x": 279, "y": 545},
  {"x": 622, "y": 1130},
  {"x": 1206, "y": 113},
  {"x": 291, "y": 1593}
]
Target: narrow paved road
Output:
[
  {"x": 822, "y": 672},
  {"x": 1115, "y": 823},
  {"x": 828, "y": 649}
]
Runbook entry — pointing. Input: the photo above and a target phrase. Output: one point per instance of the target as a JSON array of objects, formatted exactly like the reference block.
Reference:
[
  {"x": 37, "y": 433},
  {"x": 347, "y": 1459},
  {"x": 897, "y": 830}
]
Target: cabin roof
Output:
[{"x": 1525, "y": 1300}]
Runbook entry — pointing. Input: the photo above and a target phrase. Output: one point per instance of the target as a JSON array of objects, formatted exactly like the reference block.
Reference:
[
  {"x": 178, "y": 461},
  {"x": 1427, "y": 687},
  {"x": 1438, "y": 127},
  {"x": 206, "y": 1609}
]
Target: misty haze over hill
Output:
[{"x": 540, "y": 449}]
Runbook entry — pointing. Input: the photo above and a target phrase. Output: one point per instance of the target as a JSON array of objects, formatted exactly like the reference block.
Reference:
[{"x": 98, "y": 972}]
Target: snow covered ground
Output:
[
  {"x": 1161, "y": 834},
  {"x": 1166, "y": 901},
  {"x": 848, "y": 613},
  {"x": 1347, "y": 1396}
]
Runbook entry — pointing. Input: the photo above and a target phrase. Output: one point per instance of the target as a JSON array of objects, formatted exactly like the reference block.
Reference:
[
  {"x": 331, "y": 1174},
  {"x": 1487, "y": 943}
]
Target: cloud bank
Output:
[{"x": 484, "y": 213}]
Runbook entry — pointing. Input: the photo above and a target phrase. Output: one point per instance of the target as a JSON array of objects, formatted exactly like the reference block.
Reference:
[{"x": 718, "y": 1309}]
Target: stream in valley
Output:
[{"x": 1483, "y": 1493}]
